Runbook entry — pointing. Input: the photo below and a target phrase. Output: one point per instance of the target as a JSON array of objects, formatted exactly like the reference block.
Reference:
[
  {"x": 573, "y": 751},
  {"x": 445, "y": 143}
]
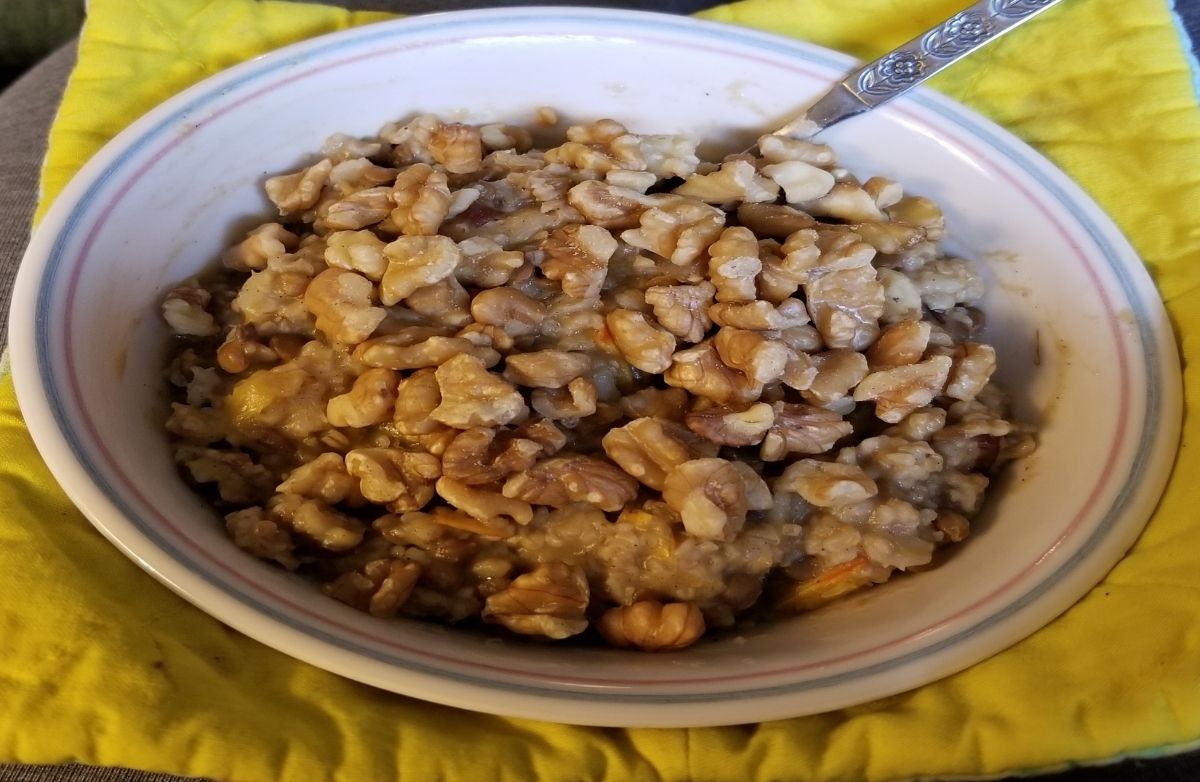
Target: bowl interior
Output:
[{"x": 161, "y": 204}]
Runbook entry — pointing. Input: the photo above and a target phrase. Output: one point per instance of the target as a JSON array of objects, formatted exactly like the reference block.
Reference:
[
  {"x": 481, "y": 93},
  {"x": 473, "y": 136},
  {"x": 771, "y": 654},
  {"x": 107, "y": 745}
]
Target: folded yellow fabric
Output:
[{"x": 101, "y": 664}]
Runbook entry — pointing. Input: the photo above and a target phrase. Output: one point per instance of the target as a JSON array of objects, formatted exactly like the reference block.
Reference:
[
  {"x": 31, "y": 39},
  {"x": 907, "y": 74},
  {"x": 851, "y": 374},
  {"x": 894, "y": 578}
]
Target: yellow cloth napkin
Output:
[{"x": 99, "y": 663}]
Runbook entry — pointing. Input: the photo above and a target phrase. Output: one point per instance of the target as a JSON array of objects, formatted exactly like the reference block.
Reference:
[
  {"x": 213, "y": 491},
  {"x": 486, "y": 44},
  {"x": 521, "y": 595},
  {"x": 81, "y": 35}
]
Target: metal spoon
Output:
[{"x": 901, "y": 69}]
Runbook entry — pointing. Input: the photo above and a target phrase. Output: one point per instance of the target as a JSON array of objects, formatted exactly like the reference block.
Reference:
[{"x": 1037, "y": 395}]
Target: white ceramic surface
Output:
[{"x": 1083, "y": 338}]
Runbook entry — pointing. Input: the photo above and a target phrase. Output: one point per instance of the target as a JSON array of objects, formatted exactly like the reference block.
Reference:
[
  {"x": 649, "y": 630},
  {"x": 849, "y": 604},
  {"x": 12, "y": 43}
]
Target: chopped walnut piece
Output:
[
  {"x": 511, "y": 310},
  {"x": 410, "y": 140},
  {"x": 639, "y": 181},
  {"x": 330, "y": 529},
  {"x": 392, "y": 352},
  {"x": 643, "y": 344},
  {"x": 840, "y": 250},
  {"x": 357, "y": 210},
  {"x": 267, "y": 241},
  {"x": 324, "y": 478},
  {"x": 608, "y": 205},
  {"x": 735, "y": 180},
  {"x": 495, "y": 528},
  {"x": 577, "y": 400},
  {"x": 458, "y": 148},
  {"x": 483, "y": 504},
  {"x": 758, "y": 493},
  {"x": 800, "y": 181},
  {"x": 971, "y": 370},
  {"x": 543, "y": 432},
  {"x": 472, "y": 396},
  {"x": 368, "y": 402},
  {"x": 827, "y": 484},
  {"x": 238, "y": 478},
  {"x": 800, "y": 371},
  {"x": 497, "y": 136},
  {"x": 666, "y": 403},
  {"x": 417, "y": 396},
  {"x": 508, "y": 229},
  {"x": 732, "y": 424},
  {"x": 481, "y": 456},
  {"x": 802, "y": 429},
  {"x": 487, "y": 336},
  {"x": 562, "y": 480},
  {"x": 381, "y": 587},
  {"x": 901, "y": 390},
  {"x": 422, "y": 200},
  {"x": 271, "y": 302},
  {"x": 668, "y": 155},
  {"x": 577, "y": 256},
  {"x": 200, "y": 425},
  {"x": 359, "y": 251},
  {"x": 264, "y": 537},
  {"x": 710, "y": 497},
  {"x": 901, "y": 299},
  {"x": 341, "y": 303},
  {"x": 678, "y": 231},
  {"x": 414, "y": 262},
  {"x": 954, "y": 526},
  {"x": 838, "y": 371},
  {"x": 701, "y": 371},
  {"x": 845, "y": 201},
  {"x": 649, "y": 448},
  {"x": 184, "y": 311},
  {"x": 545, "y": 368},
  {"x": 783, "y": 273},
  {"x": 946, "y": 282},
  {"x": 461, "y": 200},
  {"x": 890, "y": 238},
  {"x": 402, "y": 480},
  {"x": 883, "y": 191},
  {"x": 846, "y": 306},
  {"x": 760, "y": 315},
  {"x": 589, "y": 158},
  {"x": 551, "y": 601},
  {"x": 652, "y": 626},
  {"x": 683, "y": 309},
  {"x": 921, "y": 212},
  {"x": 485, "y": 264},
  {"x": 900, "y": 343},
  {"x": 778, "y": 149},
  {"x": 733, "y": 264},
  {"x": 287, "y": 401},
  {"x": 294, "y": 193},
  {"x": 760, "y": 359},
  {"x": 773, "y": 221},
  {"x": 355, "y": 174},
  {"x": 444, "y": 302}
]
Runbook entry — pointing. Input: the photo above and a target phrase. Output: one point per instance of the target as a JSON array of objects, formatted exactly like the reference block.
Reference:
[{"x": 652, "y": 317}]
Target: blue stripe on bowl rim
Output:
[{"x": 1009, "y": 147}]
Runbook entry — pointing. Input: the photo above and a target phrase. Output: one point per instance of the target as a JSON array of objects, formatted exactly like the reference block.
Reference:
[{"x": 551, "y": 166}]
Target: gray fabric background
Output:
[{"x": 26, "y": 110}]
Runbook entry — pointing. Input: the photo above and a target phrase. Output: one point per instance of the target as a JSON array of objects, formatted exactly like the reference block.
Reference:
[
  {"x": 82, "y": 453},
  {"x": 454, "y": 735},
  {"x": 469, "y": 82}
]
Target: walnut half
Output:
[
  {"x": 712, "y": 496},
  {"x": 652, "y": 626},
  {"x": 551, "y": 601},
  {"x": 472, "y": 396}
]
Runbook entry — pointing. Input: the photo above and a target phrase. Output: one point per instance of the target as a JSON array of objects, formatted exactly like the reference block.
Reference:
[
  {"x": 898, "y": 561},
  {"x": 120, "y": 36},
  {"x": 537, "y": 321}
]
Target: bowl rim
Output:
[{"x": 32, "y": 382}]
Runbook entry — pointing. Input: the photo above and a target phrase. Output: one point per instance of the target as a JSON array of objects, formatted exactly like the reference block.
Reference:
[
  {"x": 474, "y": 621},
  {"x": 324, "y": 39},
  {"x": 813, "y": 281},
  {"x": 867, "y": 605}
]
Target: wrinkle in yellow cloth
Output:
[{"x": 99, "y": 663}]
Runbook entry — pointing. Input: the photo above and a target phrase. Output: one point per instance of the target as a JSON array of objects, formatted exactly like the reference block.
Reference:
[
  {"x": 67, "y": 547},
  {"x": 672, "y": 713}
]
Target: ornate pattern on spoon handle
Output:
[
  {"x": 914, "y": 62},
  {"x": 927, "y": 54}
]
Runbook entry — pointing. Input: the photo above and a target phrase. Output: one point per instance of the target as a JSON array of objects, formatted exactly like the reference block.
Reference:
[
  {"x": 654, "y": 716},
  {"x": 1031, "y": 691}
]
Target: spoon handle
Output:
[{"x": 901, "y": 69}]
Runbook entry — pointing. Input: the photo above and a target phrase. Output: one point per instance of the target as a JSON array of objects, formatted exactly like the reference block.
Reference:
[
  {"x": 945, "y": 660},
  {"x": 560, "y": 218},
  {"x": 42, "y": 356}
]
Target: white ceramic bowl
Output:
[{"x": 1083, "y": 342}]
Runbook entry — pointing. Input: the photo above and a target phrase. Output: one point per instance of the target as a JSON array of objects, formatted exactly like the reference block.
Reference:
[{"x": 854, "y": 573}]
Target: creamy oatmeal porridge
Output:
[{"x": 604, "y": 387}]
